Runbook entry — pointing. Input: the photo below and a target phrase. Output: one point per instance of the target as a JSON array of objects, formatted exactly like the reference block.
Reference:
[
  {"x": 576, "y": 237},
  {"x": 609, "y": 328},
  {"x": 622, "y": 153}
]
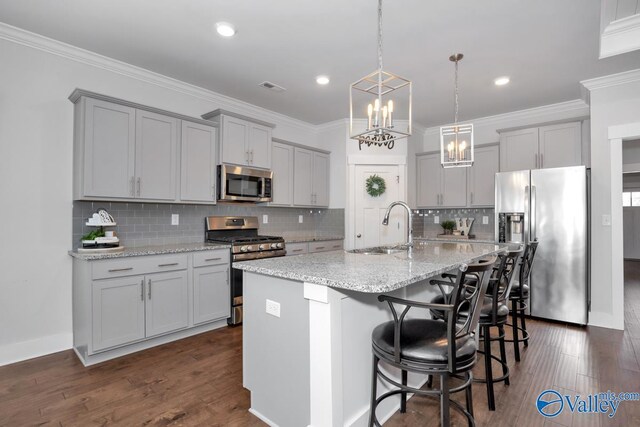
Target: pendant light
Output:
[
  {"x": 456, "y": 142},
  {"x": 385, "y": 98}
]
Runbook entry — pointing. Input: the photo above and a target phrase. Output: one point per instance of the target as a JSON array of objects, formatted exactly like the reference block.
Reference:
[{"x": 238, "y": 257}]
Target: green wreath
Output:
[{"x": 375, "y": 186}]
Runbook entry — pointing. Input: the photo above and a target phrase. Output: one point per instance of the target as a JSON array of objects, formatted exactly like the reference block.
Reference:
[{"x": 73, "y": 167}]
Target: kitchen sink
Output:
[{"x": 379, "y": 250}]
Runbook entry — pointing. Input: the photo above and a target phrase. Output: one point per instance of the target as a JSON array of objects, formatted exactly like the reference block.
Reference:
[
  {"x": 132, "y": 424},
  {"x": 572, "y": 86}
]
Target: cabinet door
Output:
[
  {"x": 109, "y": 149},
  {"x": 454, "y": 187},
  {"x": 167, "y": 307},
  {"x": 302, "y": 177},
  {"x": 235, "y": 136},
  {"x": 561, "y": 145},
  {"x": 259, "y": 146},
  {"x": 211, "y": 298},
  {"x": 320, "y": 179},
  {"x": 117, "y": 312},
  {"x": 482, "y": 174},
  {"x": 198, "y": 163},
  {"x": 429, "y": 177},
  {"x": 156, "y": 156},
  {"x": 519, "y": 150},
  {"x": 282, "y": 186}
]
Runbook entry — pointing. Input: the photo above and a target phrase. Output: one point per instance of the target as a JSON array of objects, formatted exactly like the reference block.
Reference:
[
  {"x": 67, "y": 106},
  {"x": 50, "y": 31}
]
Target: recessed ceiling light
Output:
[
  {"x": 501, "y": 81},
  {"x": 225, "y": 29},
  {"x": 322, "y": 80}
]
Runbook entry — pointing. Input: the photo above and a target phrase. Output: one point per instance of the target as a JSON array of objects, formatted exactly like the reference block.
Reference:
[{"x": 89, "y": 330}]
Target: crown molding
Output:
[
  {"x": 576, "y": 107},
  {"x": 332, "y": 125},
  {"x": 620, "y": 36},
  {"x": 611, "y": 80},
  {"x": 83, "y": 56}
]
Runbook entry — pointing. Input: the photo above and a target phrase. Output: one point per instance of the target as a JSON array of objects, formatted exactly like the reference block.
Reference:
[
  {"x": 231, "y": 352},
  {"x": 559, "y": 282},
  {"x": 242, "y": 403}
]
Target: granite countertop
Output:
[
  {"x": 481, "y": 239},
  {"x": 372, "y": 273},
  {"x": 304, "y": 239},
  {"x": 150, "y": 250}
]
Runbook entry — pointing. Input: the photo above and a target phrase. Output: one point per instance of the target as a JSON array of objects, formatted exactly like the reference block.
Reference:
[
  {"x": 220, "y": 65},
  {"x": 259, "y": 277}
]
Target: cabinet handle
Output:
[
  {"x": 227, "y": 276},
  {"x": 472, "y": 197},
  {"x": 168, "y": 265},
  {"x": 213, "y": 191},
  {"x": 113, "y": 270},
  {"x": 319, "y": 247},
  {"x": 132, "y": 184},
  {"x": 246, "y": 156},
  {"x": 139, "y": 186},
  {"x": 142, "y": 290},
  {"x": 212, "y": 259},
  {"x": 541, "y": 161},
  {"x": 297, "y": 250},
  {"x": 536, "y": 157},
  {"x": 251, "y": 156},
  {"x": 149, "y": 294},
  {"x": 359, "y": 236}
]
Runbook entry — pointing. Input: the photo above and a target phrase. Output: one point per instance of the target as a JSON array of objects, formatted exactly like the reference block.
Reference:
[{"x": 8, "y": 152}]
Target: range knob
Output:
[
  {"x": 244, "y": 249},
  {"x": 264, "y": 246},
  {"x": 279, "y": 245},
  {"x": 274, "y": 246}
]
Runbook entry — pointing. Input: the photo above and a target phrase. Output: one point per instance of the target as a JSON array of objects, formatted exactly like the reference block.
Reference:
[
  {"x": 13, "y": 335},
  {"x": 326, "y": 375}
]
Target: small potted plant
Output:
[{"x": 448, "y": 226}]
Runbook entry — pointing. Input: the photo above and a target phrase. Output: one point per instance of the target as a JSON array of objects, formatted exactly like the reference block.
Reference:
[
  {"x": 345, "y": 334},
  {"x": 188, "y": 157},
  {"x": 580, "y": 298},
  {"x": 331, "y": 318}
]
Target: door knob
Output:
[{"x": 359, "y": 236}]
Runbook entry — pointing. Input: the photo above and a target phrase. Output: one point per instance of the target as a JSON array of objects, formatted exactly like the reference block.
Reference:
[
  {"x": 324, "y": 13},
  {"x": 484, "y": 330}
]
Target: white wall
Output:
[
  {"x": 610, "y": 105},
  {"x": 36, "y": 134}
]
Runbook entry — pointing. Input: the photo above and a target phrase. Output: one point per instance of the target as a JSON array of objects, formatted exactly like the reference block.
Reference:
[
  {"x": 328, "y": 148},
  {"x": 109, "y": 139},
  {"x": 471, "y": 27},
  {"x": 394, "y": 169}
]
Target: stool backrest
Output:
[
  {"x": 527, "y": 262},
  {"x": 502, "y": 278}
]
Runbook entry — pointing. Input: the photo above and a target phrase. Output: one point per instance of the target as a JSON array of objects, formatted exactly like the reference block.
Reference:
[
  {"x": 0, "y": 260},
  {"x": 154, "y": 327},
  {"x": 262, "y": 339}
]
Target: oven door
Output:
[{"x": 238, "y": 183}]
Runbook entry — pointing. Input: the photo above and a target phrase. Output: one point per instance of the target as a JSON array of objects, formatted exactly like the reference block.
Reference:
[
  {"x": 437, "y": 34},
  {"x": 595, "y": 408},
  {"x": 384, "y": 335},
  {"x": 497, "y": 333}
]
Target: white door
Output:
[
  {"x": 369, "y": 211},
  {"x": 302, "y": 177},
  {"x": 259, "y": 146},
  {"x": 235, "y": 135},
  {"x": 282, "y": 186},
  {"x": 198, "y": 171},
  {"x": 320, "y": 179},
  {"x": 167, "y": 307},
  {"x": 561, "y": 145},
  {"x": 429, "y": 180},
  {"x": 519, "y": 150},
  {"x": 454, "y": 187},
  {"x": 482, "y": 176},
  {"x": 210, "y": 293}
]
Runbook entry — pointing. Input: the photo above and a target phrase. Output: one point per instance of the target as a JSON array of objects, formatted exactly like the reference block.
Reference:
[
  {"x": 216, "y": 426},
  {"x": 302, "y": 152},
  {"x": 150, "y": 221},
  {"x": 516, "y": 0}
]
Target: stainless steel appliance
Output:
[
  {"x": 241, "y": 184},
  {"x": 246, "y": 244},
  {"x": 550, "y": 205}
]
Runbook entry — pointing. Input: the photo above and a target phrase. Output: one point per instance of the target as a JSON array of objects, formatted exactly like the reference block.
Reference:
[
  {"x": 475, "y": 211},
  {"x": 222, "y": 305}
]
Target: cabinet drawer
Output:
[
  {"x": 201, "y": 259},
  {"x": 297, "y": 248},
  {"x": 138, "y": 265},
  {"x": 330, "y": 245}
]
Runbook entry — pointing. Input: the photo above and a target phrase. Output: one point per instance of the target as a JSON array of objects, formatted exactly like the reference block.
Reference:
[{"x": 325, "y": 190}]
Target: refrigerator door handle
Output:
[
  {"x": 532, "y": 214},
  {"x": 526, "y": 235}
]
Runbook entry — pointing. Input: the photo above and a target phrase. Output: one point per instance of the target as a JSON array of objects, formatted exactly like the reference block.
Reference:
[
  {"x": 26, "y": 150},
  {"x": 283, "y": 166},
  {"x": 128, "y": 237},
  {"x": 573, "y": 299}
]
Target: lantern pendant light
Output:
[
  {"x": 386, "y": 99},
  {"x": 456, "y": 142}
]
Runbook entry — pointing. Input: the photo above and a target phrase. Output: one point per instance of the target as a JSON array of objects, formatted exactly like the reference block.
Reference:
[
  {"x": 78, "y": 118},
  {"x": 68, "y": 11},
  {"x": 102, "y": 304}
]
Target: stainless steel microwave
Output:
[{"x": 241, "y": 184}]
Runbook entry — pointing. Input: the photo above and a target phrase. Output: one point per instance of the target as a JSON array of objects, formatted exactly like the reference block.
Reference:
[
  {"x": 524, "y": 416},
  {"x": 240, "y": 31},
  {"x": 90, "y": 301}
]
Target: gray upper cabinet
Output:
[
  {"x": 243, "y": 141},
  {"x": 106, "y": 132},
  {"x": 541, "y": 147},
  {"x": 481, "y": 176},
  {"x": 118, "y": 312},
  {"x": 320, "y": 179},
  {"x": 124, "y": 150},
  {"x": 156, "y": 156},
  {"x": 167, "y": 307},
  {"x": 519, "y": 150},
  {"x": 282, "y": 188},
  {"x": 303, "y": 177},
  {"x": 429, "y": 180},
  {"x": 560, "y": 145},
  {"x": 198, "y": 163},
  {"x": 454, "y": 187}
]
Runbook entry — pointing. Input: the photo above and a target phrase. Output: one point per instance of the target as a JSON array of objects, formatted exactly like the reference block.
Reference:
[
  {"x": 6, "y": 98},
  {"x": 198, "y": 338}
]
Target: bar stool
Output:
[
  {"x": 494, "y": 312},
  {"x": 518, "y": 297},
  {"x": 444, "y": 347}
]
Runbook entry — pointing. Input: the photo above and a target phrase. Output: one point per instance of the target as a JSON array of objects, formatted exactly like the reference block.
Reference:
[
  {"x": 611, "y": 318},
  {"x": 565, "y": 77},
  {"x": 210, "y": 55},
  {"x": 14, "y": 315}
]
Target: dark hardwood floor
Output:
[{"x": 198, "y": 381}]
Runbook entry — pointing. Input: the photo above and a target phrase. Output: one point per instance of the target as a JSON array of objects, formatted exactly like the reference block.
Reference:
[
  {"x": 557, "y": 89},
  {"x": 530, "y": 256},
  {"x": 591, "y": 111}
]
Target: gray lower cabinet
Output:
[
  {"x": 167, "y": 308},
  {"x": 118, "y": 312},
  {"x": 211, "y": 293}
]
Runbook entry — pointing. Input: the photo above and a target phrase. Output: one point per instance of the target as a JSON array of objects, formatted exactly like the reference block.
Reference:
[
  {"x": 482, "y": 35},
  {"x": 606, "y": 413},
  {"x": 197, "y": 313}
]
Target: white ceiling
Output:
[{"x": 546, "y": 46}]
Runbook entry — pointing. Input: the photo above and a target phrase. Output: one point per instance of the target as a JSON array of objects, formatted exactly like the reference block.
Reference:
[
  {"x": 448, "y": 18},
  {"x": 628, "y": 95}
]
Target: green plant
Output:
[
  {"x": 448, "y": 225},
  {"x": 99, "y": 232},
  {"x": 375, "y": 186}
]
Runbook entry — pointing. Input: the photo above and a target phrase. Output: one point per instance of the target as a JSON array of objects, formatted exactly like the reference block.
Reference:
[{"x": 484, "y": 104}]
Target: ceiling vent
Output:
[{"x": 272, "y": 86}]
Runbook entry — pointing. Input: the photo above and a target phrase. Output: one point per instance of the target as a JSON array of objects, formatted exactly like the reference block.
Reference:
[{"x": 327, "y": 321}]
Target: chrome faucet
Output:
[{"x": 385, "y": 221}]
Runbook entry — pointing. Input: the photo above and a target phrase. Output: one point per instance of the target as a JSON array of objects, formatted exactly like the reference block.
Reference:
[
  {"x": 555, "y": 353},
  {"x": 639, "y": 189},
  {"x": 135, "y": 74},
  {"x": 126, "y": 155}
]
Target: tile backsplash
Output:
[
  {"x": 144, "y": 224},
  {"x": 424, "y": 221}
]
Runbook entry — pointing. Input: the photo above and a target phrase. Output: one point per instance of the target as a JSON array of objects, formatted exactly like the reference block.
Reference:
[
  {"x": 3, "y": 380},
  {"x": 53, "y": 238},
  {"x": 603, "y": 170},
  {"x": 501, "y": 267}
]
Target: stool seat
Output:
[
  {"x": 486, "y": 311},
  {"x": 515, "y": 290},
  {"x": 423, "y": 341}
]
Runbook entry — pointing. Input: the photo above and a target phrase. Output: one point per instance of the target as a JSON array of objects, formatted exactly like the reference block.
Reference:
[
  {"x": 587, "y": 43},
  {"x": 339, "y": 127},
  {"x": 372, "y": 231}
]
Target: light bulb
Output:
[{"x": 391, "y": 106}]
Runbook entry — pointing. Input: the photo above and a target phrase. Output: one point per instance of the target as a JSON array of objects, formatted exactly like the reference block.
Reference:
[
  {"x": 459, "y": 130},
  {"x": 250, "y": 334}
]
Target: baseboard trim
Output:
[
  {"x": 263, "y": 418},
  {"x": 606, "y": 320},
  {"x": 25, "y": 350}
]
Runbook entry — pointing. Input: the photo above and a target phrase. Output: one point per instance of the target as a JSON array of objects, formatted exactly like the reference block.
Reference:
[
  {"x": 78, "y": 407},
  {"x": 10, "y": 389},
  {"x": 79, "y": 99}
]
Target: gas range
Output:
[{"x": 242, "y": 234}]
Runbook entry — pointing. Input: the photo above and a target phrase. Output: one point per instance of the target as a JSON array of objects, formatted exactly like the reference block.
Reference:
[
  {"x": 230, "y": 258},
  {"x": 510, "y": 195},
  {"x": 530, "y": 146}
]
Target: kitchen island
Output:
[{"x": 308, "y": 322}]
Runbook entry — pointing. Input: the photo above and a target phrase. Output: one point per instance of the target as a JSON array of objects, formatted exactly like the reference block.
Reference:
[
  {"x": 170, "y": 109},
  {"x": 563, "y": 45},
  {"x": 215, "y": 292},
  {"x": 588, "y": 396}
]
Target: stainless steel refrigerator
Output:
[{"x": 551, "y": 205}]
